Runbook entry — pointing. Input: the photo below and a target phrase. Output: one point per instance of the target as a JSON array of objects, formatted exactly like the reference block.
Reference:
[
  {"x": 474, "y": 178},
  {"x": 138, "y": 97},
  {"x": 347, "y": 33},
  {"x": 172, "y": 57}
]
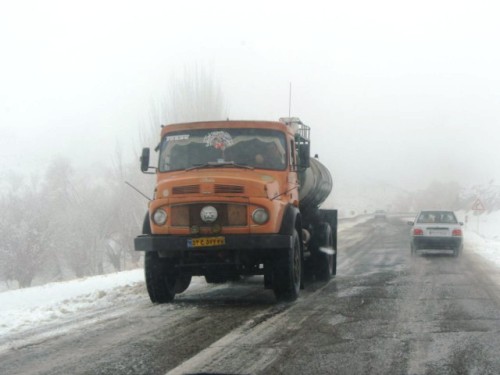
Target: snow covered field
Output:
[
  {"x": 26, "y": 308},
  {"x": 482, "y": 236}
]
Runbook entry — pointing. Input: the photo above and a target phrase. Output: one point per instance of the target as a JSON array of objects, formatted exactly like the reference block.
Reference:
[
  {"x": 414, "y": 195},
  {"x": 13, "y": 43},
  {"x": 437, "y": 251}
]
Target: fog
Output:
[{"x": 398, "y": 93}]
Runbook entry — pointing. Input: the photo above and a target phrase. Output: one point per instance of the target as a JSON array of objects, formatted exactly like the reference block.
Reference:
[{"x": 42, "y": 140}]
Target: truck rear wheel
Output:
[
  {"x": 287, "y": 271},
  {"x": 325, "y": 263},
  {"x": 325, "y": 267},
  {"x": 160, "y": 278}
]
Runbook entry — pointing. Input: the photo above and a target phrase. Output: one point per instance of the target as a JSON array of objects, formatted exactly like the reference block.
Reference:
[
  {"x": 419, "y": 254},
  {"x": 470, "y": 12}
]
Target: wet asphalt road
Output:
[{"x": 385, "y": 313}]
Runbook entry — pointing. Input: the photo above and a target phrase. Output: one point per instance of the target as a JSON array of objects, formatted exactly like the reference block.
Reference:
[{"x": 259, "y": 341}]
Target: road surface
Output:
[{"x": 385, "y": 313}]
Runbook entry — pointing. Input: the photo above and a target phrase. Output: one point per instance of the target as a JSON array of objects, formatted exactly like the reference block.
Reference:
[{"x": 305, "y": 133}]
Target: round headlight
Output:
[
  {"x": 260, "y": 216},
  {"x": 160, "y": 216}
]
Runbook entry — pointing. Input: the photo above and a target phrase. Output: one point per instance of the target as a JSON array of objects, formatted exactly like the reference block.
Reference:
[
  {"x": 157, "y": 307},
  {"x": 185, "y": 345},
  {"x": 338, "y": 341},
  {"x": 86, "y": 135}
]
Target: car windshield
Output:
[
  {"x": 258, "y": 148},
  {"x": 442, "y": 217}
]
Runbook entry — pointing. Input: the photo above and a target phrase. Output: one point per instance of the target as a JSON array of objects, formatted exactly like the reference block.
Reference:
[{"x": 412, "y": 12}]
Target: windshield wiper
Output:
[{"x": 214, "y": 164}]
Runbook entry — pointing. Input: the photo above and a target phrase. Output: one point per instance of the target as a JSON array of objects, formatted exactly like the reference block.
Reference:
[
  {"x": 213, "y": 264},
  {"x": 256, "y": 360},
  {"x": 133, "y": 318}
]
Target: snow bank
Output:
[{"x": 24, "y": 308}]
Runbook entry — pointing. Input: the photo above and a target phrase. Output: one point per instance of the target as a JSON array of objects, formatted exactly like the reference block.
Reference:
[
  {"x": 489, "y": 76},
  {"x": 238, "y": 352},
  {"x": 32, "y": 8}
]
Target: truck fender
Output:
[
  {"x": 146, "y": 225},
  {"x": 331, "y": 217},
  {"x": 289, "y": 221}
]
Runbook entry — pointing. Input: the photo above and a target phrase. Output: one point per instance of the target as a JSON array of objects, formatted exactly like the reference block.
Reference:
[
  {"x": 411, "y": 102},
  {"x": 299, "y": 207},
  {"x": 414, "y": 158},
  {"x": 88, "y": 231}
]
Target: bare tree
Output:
[
  {"x": 119, "y": 249},
  {"x": 192, "y": 95},
  {"x": 196, "y": 96},
  {"x": 76, "y": 215},
  {"x": 77, "y": 223},
  {"x": 23, "y": 230}
]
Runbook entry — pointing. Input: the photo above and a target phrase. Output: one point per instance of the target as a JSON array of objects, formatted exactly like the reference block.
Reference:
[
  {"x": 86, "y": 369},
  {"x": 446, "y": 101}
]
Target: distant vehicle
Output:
[
  {"x": 380, "y": 214},
  {"x": 436, "y": 230}
]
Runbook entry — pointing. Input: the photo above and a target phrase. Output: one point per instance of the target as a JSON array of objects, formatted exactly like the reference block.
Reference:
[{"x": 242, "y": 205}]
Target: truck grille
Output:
[
  {"x": 185, "y": 215},
  {"x": 228, "y": 189},
  {"x": 218, "y": 189},
  {"x": 188, "y": 189}
]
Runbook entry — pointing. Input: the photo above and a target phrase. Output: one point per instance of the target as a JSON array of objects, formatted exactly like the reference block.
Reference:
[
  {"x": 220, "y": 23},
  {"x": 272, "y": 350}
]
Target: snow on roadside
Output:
[
  {"x": 488, "y": 249},
  {"x": 22, "y": 309},
  {"x": 25, "y": 308},
  {"x": 482, "y": 234}
]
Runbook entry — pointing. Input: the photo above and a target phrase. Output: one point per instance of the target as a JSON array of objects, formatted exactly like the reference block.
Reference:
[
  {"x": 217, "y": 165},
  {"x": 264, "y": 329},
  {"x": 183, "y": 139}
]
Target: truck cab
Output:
[{"x": 225, "y": 205}]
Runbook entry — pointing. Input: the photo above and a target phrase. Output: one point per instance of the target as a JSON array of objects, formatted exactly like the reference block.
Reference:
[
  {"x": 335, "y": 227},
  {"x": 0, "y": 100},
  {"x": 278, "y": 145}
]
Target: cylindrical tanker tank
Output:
[{"x": 316, "y": 184}]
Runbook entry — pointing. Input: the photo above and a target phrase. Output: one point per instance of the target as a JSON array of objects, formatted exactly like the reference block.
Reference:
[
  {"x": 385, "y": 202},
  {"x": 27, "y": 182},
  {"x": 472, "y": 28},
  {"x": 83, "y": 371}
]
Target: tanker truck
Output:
[{"x": 235, "y": 199}]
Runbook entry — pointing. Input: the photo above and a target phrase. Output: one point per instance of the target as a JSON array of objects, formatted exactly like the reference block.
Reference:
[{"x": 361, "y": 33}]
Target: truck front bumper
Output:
[{"x": 177, "y": 244}]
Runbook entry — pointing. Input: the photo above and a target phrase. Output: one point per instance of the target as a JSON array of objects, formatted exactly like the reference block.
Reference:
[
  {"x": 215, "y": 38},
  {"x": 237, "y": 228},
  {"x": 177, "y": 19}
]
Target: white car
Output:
[{"x": 436, "y": 230}]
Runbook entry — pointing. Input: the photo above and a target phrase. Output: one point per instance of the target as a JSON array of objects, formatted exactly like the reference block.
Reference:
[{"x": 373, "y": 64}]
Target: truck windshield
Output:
[{"x": 257, "y": 148}]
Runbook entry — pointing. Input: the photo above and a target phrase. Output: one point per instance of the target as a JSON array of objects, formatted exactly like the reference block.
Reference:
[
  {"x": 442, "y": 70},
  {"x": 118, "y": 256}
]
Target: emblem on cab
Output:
[{"x": 208, "y": 214}]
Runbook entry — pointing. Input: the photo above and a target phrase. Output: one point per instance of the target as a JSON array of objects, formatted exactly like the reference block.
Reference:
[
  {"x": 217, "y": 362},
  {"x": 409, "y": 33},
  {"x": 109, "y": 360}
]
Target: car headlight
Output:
[
  {"x": 160, "y": 216},
  {"x": 260, "y": 216}
]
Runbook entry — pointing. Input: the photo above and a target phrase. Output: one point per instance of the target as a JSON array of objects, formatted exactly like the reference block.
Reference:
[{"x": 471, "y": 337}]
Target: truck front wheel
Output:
[
  {"x": 160, "y": 278},
  {"x": 182, "y": 283},
  {"x": 287, "y": 271}
]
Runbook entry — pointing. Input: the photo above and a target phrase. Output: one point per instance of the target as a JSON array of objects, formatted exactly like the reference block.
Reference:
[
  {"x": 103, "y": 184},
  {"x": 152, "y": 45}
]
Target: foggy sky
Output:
[{"x": 400, "y": 92}]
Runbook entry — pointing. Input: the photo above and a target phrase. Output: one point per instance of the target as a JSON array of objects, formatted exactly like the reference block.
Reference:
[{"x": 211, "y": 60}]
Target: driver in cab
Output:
[{"x": 271, "y": 157}]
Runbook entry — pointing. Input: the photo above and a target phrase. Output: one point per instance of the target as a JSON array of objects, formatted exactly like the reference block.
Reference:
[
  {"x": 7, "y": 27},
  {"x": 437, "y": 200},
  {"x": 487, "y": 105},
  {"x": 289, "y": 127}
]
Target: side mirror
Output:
[
  {"x": 304, "y": 155},
  {"x": 145, "y": 159},
  {"x": 461, "y": 223},
  {"x": 410, "y": 222}
]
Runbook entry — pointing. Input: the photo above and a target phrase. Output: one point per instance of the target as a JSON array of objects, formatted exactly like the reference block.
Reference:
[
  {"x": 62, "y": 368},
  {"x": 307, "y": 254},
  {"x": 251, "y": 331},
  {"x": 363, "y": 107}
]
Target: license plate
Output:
[
  {"x": 206, "y": 241},
  {"x": 438, "y": 232}
]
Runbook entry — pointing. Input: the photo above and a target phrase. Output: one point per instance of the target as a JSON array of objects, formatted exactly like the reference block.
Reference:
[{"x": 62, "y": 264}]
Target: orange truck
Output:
[{"x": 233, "y": 199}]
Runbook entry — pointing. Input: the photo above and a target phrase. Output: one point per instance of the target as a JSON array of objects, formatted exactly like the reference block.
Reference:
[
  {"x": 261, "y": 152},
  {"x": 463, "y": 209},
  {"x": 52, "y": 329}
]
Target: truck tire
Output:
[
  {"x": 182, "y": 283},
  {"x": 325, "y": 265},
  {"x": 287, "y": 271},
  {"x": 335, "y": 247},
  {"x": 160, "y": 278}
]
